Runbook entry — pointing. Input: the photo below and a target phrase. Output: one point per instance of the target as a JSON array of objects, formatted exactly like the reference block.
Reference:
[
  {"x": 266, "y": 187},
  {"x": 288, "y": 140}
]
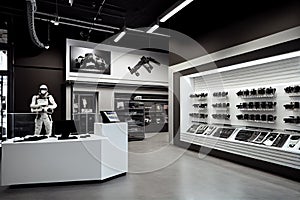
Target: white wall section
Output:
[{"x": 121, "y": 59}]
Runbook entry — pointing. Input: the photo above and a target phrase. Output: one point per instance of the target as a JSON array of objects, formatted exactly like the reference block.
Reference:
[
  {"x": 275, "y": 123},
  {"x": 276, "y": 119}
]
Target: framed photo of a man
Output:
[
  {"x": 87, "y": 60},
  {"x": 85, "y": 110}
]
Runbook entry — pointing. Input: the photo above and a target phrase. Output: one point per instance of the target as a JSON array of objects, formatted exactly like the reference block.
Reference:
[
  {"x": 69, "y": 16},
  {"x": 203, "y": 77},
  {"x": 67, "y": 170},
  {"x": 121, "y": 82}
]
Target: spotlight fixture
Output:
[
  {"x": 55, "y": 21},
  {"x": 175, "y": 10},
  {"x": 120, "y": 36},
  {"x": 47, "y": 45},
  {"x": 153, "y": 28}
]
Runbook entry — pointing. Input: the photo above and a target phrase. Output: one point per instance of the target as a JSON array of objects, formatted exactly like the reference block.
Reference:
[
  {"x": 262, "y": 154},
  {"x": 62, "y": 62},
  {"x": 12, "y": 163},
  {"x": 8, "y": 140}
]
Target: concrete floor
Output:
[{"x": 162, "y": 171}]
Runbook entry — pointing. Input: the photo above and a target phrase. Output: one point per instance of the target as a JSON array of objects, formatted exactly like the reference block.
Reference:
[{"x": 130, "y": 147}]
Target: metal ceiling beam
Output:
[
  {"x": 81, "y": 9},
  {"x": 78, "y": 21},
  {"x": 108, "y": 6},
  {"x": 77, "y": 25}
]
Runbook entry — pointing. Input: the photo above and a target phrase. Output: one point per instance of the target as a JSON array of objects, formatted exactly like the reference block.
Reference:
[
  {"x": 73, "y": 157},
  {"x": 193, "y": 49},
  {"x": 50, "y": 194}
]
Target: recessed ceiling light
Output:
[
  {"x": 120, "y": 36},
  {"x": 175, "y": 10},
  {"x": 153, "y": 28}
]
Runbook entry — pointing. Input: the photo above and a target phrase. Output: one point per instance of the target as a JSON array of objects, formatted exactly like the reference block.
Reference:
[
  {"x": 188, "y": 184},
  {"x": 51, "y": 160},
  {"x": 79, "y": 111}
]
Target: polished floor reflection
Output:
[{"x": 162, "y": 171}]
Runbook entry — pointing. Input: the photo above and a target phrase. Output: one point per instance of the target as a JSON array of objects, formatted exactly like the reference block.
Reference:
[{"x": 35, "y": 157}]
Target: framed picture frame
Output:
[
  {"x": 84, "y": 110},
  {"x": 87, "y": 60}
]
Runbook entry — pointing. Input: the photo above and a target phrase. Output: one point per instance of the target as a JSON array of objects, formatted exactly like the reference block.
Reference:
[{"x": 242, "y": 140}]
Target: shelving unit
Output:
[
  {"x": 274, "y": 147},
  {"x": 258, "y": 110},
  {"x": 132, "y": 112},
  {"x": 294, "y": 104},
  {"x": 221, "y": 106},
  {"x": 249, "y": 90},
  {"x": 257, "y": 96},
  {"x": 156, "y": 112},
  {"x": 259, "y": 121}
]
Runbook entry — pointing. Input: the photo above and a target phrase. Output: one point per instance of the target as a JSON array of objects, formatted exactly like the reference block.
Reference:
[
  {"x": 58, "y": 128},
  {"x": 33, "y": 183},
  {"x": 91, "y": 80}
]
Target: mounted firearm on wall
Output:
[{"x": 145, "y": 62}]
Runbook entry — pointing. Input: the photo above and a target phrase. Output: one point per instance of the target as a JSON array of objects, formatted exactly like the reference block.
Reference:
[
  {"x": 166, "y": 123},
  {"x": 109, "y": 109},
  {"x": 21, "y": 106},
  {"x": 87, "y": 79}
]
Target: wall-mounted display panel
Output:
[
  {"x": 85, "y": 60},
  {"x": 262, "y": 94},
  {"x": 91, "y": 62}
]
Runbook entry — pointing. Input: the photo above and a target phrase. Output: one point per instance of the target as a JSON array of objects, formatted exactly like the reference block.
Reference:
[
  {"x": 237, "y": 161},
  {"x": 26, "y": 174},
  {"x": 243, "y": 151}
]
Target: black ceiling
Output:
[
  {"x": 116, "y": 13},
  {"x": 133, "y": 13},
  {"x": 200, "y": 17}
]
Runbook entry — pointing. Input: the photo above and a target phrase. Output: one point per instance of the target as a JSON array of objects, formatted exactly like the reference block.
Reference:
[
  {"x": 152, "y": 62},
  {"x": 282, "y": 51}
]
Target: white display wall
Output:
[{"x": 277, "y": 72}]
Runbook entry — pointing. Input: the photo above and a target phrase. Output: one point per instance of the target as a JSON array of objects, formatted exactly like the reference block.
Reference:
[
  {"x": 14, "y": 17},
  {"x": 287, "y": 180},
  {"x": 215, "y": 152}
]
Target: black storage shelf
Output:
[
  {"x": 132, "y": 112},
  {"x": 147, "y": 110}
]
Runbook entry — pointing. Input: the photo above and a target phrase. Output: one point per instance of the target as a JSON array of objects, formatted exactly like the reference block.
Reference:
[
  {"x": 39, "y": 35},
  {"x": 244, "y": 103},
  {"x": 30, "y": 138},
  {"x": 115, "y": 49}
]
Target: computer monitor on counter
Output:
[{"x": 109, "y": 117}]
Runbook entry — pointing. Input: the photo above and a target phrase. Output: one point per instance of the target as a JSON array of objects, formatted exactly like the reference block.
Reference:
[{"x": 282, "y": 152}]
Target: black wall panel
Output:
[{"x": 27, "y": 82}]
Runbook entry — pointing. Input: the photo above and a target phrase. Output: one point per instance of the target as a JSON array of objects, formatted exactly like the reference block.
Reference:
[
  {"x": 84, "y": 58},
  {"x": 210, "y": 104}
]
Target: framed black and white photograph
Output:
[
  {"x": 88, "y": 60},
  {"x": 84, "y": 102},
  {"x": 84, "y": 110}
]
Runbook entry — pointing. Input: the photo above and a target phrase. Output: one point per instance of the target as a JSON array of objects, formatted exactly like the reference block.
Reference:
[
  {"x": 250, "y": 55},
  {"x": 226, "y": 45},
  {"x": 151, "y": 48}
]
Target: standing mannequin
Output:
[{"x": 43, "y": 105}]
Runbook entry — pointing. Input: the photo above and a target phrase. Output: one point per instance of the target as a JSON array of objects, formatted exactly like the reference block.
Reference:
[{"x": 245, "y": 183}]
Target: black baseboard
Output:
[{"x": 279, "y": 170}]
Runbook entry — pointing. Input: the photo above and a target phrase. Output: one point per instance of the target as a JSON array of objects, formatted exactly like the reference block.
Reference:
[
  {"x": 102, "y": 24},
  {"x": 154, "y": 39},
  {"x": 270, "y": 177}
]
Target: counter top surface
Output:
[{"x": 81, "y": 138}]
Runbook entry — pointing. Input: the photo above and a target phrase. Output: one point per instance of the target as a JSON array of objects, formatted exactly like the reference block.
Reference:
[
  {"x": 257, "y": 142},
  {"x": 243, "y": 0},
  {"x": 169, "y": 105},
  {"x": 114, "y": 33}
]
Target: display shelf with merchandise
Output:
[
  {"x": 155, "y": 109},
  {"x": 271, "y": 145},
  {"x": 132, "y": 112},
  {"x": 267, "y": 106}
]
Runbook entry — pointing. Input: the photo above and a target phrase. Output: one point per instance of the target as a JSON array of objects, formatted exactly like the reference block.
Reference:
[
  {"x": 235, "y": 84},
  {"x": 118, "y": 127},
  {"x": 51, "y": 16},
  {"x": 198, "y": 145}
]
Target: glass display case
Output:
[{"x": 21, "y": 124}]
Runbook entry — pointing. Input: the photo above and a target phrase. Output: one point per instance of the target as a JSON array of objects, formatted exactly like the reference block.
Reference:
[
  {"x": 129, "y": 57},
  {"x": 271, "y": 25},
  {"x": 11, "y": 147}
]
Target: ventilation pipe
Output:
[{"x": 31, "y": 9}]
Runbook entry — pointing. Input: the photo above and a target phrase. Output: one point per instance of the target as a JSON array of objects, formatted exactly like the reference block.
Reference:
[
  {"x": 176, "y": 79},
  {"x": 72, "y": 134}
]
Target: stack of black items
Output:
[
  {"x": 201, "y": 95},
  {"x": 257, "y": 117},
  {"x": 292, "y": 89},
  {"x": 257, "y": 92},
  {"x": 256, "y": 105},
  {"x": 292, "y": 120},
  {"x": 220, "y": 94},
  {"x": 221, "y": 116},
  {"x": 221, "y": 105},
  {"x": 292, "y": 105}
]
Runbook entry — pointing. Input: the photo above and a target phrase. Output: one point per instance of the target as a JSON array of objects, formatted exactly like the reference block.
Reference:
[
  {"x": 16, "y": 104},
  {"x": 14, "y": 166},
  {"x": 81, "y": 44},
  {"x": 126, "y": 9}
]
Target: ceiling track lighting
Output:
[
  {"x": 78, "y": 21},
  {"x": 175, "y": 10},
  {"x": 55, "y": 21},
  {"x": 47, "y": 45},
  {"x": 76, "y": 25},
  {"x": 71, "y": 2}
]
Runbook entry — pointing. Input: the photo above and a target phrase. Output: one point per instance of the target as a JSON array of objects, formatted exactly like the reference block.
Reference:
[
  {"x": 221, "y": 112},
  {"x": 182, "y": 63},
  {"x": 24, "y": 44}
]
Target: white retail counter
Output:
[
  {"x": 51, "y": 160},
  {"x": 115, "y": 161}
]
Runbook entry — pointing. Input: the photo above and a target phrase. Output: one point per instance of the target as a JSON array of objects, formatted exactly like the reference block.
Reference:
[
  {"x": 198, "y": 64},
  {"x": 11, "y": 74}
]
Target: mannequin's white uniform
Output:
[{"x": 43, "y": 105}]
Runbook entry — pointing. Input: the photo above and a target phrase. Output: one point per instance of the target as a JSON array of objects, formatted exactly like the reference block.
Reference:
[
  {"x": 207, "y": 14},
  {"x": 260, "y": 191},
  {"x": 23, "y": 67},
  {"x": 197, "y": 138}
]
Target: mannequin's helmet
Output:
[{"x": 43, "y": 89}]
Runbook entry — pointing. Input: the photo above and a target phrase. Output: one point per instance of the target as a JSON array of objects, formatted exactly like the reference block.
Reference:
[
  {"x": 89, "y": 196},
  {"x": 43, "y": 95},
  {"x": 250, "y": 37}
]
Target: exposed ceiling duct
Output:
[{"x": 31, "y": 9}]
